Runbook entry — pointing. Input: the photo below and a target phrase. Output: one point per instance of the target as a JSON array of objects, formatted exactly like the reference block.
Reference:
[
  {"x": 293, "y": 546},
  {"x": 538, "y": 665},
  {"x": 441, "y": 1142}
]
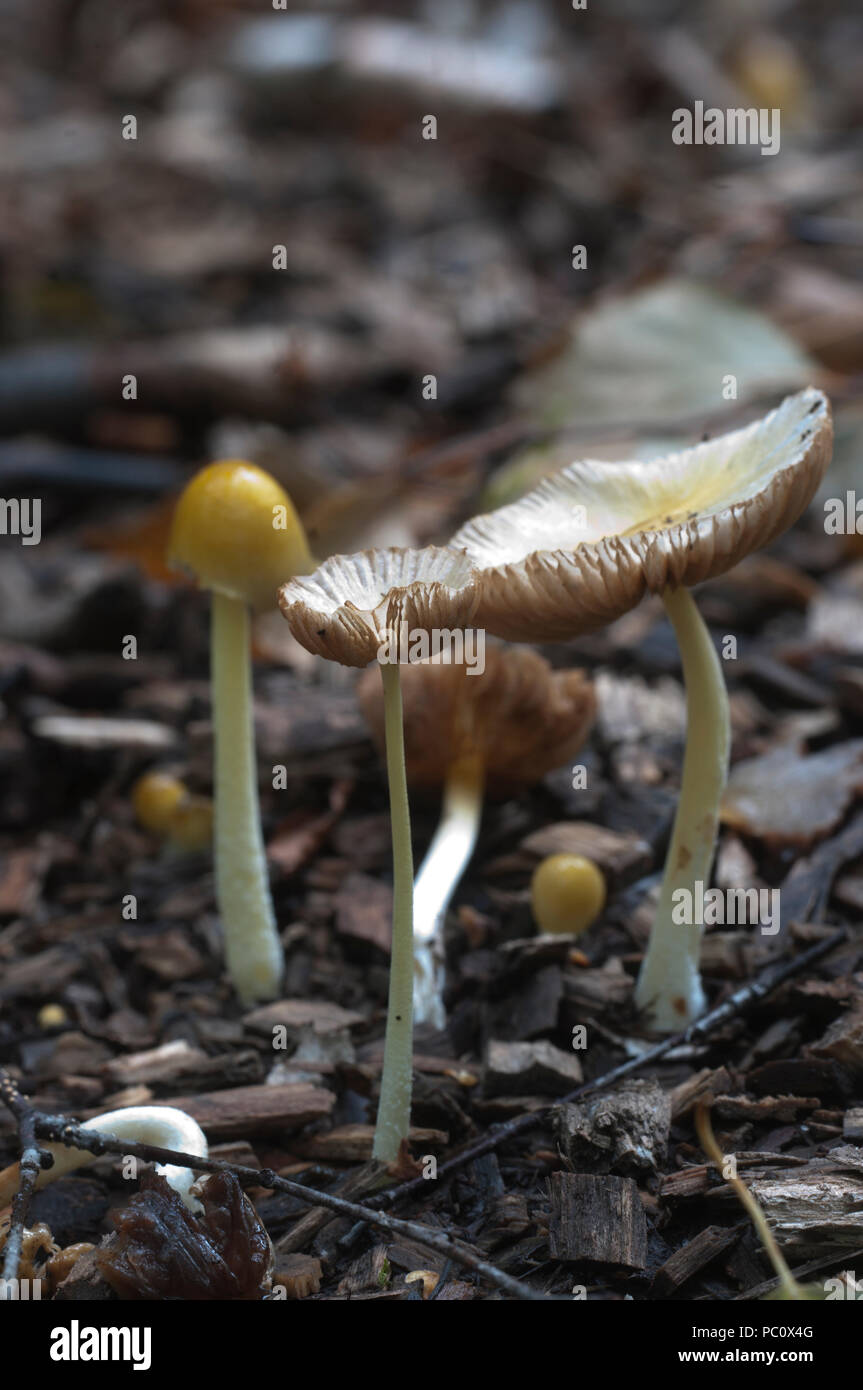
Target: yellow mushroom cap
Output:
[
  {"x": 567, "y": 893},
  {"x": 586, "y": 545},
  {"x": 235, "y": 528},
  {"x": 52, "y": 1016},
  {"x": 155, "y": 798}
]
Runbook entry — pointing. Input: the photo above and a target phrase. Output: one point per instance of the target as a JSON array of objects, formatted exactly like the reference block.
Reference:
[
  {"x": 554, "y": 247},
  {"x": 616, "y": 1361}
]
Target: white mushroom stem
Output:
[
  {"x": 394, "y": 1108},
  {"x": 253, "y": 951},
  {"x": 446, "y": 860},
  {"x": 669, "y": 985},
  {"x": 148, "y": 1124}
]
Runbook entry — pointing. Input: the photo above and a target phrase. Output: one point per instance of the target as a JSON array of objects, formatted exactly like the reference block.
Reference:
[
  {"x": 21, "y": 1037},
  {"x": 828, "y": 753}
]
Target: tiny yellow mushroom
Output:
[
  {"x": 235, "y": 529},
  {"x": 165, "y": 806},
  {"x": 52, "y": 1016},
  {"x": 567, "y": 894},
  {"x": 155, "y": 798}
]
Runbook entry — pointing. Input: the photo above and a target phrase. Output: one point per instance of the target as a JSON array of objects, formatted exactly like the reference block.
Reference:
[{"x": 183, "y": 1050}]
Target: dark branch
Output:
[
  {"x": 59, "y": 1129},
  {"x": 32, "y": 1160}
]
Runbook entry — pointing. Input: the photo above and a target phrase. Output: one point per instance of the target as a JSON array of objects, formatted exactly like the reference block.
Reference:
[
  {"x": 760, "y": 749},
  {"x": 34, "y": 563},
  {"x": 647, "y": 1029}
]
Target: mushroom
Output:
[
  {"x": 148, "y": 1124},
  {"x": 567, "y": 893},
  {"x": 155, "y": 798},
  {"x": 164, "y": 805},
  {"x": 500, "y": 729},
  {"x": 587, "y": 544},
  {"x": 355, "y": 609},
  {"x": 236, "y": 530}
]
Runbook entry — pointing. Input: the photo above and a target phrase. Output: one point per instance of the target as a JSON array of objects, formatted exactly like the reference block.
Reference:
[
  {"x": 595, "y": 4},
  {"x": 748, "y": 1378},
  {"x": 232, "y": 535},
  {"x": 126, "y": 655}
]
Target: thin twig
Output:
[
  {"x": 30, "y": 1165},
  {"x": 443, "y": 1279},
  {"x": 59, "y": 1129},
  {"x": 844, "y": 1259}
]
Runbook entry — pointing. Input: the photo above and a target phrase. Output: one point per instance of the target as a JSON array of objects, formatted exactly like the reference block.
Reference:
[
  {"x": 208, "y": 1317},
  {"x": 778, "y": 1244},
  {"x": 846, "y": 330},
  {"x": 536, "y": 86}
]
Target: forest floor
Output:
[{"x": 409, "y": 260}]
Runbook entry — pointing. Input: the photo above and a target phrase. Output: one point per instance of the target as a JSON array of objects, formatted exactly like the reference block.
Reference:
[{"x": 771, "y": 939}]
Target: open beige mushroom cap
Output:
[
  {"x": 585, "y": 545},
  {"x": 519, "y": 717},
  {"x": 352, "y": 603}
]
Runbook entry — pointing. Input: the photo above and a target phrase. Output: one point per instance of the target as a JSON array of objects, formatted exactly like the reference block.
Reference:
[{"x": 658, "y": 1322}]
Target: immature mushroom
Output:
[
  {"x": 567, "y": 893},
  {"x": 586, "y": 545},
  {"x": 499, "y": 729},
  {"x": 236, "y": 530},
  {"x": 164, "y": 805},
  {"x": 354, "y": 609},
  {"x": 155, "y": 798},
  {"x": 161, "y": 1125}
]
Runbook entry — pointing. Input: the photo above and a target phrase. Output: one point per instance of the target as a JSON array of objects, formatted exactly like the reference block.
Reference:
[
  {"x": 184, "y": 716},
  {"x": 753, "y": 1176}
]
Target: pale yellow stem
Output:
[
  {"x": 669, "y": 985},
  {"x": 394, "y": 1108},
  {"x": 253, "y": 951}
]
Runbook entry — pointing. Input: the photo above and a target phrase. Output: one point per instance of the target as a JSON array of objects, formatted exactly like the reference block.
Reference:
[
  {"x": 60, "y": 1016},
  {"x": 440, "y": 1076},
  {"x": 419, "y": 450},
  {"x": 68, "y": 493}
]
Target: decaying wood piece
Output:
[
  {"x": 814, "y": 1209},
  {"x": 237, "y": 1114},
  {"x": 597, "y": 1218},
  {"x": 843, "y": 1041},
  {"x": 371, "y": 1271},
  {"x": 297, "y": 1014},
  {"x": 698, "y": 1179},
  {"x": 605, "y": 987},
  {"x": 20, "y": 881},
  {"x": 623, "y": 1131},
  {"x": 177, "y": 1061},
  {"x": 686, "y": 1262},
  {"x": 688, "y": 1182},
  {"x": 529, "y": 1068},
  {"x": 42, "y": 974},
  {"x": 782, "y": 1109},
  {"x": 685, "y": 1097},
  {"x": 534, "y": 1011},
  {"x": 353, "y": 1143},
  {"x": 163, "y": 1063}
]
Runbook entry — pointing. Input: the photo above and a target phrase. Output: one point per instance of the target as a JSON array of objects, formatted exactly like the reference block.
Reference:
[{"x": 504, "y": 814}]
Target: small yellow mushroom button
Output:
[
  {"x": 164, "y": 806},
  {"x": 52, "y": 1016},
  {"x": 236, "y": 530},
  {"x": 567, "y": 893},
  {"x": 155, "y": 798}
]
